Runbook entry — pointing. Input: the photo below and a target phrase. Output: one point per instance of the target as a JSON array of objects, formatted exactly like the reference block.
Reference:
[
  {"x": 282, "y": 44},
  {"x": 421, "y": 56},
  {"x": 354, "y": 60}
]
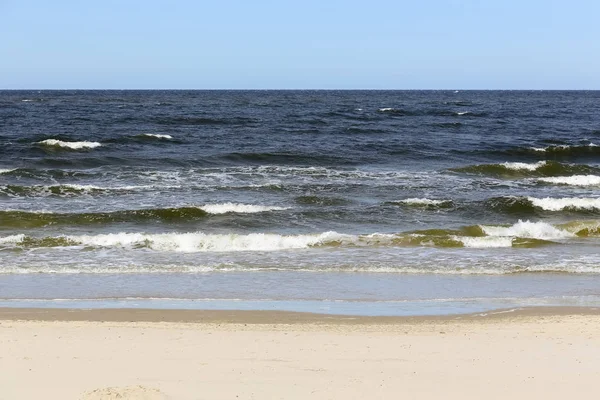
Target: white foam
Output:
[
  {"x": 524, "y": 166},
  {"x": 5, "y": 171},
  {"x": 224, "y": 208},
  {"x": 82, "y": 187},
  {"x": 561, "y": 146},
  {"x": 575, "y": 180},
  {"x": 485, "y": 242},
  {"x": 557, "y": 204},
  {"x": 423, "y": 201},
  {"x": 201, "y": 242},
  {"x": 158, "y": 136},
  {"x": 70, "y": 145},
  {"x": 463, "y": 113},
  {"x": 527, "y": 229},
  {"x": 12, "y": 239},
  {"x": 386, "y": 109}
]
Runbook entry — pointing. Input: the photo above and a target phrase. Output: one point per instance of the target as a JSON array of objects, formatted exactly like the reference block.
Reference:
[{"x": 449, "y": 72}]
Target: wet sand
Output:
[{"x": 190, "y": 354}]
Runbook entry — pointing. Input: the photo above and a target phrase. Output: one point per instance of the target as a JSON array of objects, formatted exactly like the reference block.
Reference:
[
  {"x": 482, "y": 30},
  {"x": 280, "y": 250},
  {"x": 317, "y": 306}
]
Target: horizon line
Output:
[{"x": 294, "y": 89}]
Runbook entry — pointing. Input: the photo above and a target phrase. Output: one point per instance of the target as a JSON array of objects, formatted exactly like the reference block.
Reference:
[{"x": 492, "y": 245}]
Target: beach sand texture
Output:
[{"x": 236, "y": 355}]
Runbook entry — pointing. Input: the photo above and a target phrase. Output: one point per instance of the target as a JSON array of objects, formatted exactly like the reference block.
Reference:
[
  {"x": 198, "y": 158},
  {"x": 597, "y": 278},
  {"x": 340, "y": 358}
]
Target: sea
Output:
[{"x": 338, "y": 202}]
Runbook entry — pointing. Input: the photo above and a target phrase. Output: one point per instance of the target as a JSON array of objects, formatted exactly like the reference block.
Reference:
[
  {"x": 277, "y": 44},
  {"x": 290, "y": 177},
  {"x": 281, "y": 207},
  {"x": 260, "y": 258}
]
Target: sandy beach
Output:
[{"x": 156, "y": 354}]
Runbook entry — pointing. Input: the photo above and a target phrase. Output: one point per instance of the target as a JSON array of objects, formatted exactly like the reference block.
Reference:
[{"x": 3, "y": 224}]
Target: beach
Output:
[
  {"x": 192, "y": 354},
  {"x": 242, "y": 244}
]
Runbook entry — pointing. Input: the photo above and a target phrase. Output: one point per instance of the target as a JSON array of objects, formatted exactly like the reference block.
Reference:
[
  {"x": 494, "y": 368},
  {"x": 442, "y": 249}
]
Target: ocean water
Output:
[{"x": 359, "y": 202}]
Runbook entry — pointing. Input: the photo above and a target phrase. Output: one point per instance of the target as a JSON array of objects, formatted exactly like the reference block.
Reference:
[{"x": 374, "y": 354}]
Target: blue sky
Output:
[{"x": 327, "y": 44}]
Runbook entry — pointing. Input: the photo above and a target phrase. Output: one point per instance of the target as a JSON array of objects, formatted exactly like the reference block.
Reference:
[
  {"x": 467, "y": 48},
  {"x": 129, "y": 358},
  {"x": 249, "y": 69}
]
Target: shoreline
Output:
[{"x": 257, "y": 317}]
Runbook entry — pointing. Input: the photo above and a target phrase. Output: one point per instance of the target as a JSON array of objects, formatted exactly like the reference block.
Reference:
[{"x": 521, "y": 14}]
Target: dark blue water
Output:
[{"x": 239, "y": 193}]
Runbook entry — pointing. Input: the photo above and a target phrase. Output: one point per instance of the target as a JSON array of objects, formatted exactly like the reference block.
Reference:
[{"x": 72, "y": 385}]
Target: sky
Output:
[{"x": 308, "y": 44}]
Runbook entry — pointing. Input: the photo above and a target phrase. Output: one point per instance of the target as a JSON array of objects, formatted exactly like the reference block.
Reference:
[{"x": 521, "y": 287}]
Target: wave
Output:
[
  {"x": 558, "y": 204},
  {"x": 521, "y": 234},
  {"x": 576, "y": 180},
  {"x": 580, "y": 268},
  {"x": 527, "y": 229},
  {"x": 567, "y": 149},
  {"x": 424, "y": 202},
  {"x": 313, "y": 200},
  {"x": 143, "y": 138},
  {"x": 224, "y": 208},
  {"x": 520, "y": 169},
  {"x": 55, "y": 143},
  {"x": 6, "y": 170},
  {"x": 64, "y": 190},
  {"x": 155, "y": 136},
  {"x": 71, "y": 190},
  {"x": 582, "y": 228},
  {"x": 29, "y": 219},
  {"x": 527, "y": 206},
  {"x": 555, "y": 151},
  {"x": 46, "y": 174}
]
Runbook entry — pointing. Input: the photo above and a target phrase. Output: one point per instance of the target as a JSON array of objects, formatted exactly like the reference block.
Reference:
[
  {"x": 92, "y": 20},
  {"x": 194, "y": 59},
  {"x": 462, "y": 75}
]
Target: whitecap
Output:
[
  {"x": 157, "y": 136},
  {"x": 527, "y": 229},
  {"x": 561, "y": 146},
  {"x": 70, "y": 145},
  {"x": 558, "y": 204},
  {"x": 575, "y": 180},
  {"x": 223, "y": 208},
  {"x": 12, "y": 239},
  {"x": 524, "y": 166},
  {"x": 485, "y": 242},
  {"x": 423, "y": 202},
  {"x": 202, "y": 242}
]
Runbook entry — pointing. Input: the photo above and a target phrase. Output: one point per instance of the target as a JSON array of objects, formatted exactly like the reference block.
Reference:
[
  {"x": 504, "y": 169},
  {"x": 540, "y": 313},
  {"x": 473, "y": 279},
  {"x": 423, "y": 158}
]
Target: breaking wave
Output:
[
  {"x": 155, "y": 136},
  {"x": 575, "y": 180},
  {"x": 55, "y": 143},
  {"x": 520, "y": 169},
  {"x": 225, "y": 208},
  {"x": 558, "y": 204},
  {"x": 521, "y": 234},
  {"x": 533, "y": 205},
  {"x": 27, "y": 219},
  {"x": 424, "y": 202}
]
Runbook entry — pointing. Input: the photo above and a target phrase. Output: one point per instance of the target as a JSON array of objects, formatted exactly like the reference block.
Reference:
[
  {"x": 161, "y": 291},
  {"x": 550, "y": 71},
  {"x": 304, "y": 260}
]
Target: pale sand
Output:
[{"x": 534, "y": 354}]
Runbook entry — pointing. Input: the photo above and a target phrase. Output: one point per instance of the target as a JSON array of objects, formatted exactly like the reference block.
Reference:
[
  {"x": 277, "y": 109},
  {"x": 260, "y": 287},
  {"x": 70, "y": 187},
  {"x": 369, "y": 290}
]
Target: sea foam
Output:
[
  {"x": 558, "y": 204},
  {"x": 12, "y": 239},
  {"x": 575, "y": 180},
  {"x": 423, "y": 202},
  {"x": 224, "y": 208},
  {"x": 202, "y": 242},
  {"x": 485, "y": 242},
  {"x": 157, "y": 136},
  {"x": 527, "y": 229},
  {"x": 524, "y": 166},
  {"x": 70, "y": 145},
  {"x": 563, "y": 147}
]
